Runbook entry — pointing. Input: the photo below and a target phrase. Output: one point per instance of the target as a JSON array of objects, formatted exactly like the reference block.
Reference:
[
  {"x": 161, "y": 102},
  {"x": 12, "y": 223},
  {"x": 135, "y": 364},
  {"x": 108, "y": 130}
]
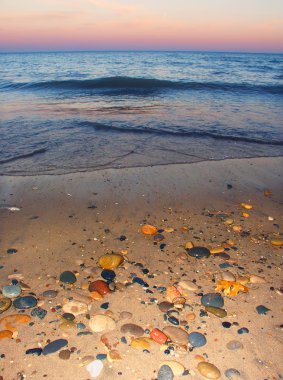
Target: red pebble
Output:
[
  {"x": 99, "y": 286},
  {"x": 158, "y": 336}
]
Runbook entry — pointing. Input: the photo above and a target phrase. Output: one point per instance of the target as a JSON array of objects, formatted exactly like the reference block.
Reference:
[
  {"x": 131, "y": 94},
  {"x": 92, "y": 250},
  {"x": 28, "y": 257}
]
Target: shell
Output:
[
  {"x": 110, "y": 261},
  {"x": 231, "y": 288},
  {"x": 147, "y": 229}
]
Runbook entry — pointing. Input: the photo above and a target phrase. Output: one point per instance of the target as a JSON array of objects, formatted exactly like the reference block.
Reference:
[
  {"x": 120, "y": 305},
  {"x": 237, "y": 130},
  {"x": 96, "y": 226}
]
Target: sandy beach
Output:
[{"x": 67, "y": 222}]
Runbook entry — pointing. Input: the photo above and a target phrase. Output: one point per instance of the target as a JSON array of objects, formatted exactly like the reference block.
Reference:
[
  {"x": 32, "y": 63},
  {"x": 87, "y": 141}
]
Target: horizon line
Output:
[{"x": 138, "y": 51}]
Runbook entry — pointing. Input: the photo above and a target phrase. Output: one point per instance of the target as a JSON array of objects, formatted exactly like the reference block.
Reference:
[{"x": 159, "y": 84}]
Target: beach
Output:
[{"x": 233, "y": 208}]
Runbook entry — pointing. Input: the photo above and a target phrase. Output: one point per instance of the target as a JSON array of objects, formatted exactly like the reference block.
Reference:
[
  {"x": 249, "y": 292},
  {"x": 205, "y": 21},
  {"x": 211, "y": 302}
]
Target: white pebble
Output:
[{"x": 94, "y": 368}]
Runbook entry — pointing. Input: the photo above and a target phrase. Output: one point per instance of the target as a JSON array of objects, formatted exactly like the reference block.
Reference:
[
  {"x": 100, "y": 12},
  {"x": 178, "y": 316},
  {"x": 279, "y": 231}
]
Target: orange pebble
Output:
[
  {"x": 6, "y": 334},
  {"x": 147, "y": 229},
  {"x": 95, "y": 295},
  {"x": 158, "y": 336}
]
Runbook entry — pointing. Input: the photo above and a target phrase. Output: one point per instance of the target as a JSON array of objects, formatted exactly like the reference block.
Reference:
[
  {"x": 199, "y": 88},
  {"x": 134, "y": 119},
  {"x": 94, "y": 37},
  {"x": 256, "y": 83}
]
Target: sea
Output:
[{"x": 64, "y": 112}]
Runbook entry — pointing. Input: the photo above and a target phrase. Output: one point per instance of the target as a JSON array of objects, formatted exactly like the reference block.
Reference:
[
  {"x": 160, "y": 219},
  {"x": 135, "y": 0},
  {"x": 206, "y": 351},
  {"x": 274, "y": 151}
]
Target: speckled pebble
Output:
[
  {"x": 165, "y": 373},
  {"x": 232, "y": 373}
]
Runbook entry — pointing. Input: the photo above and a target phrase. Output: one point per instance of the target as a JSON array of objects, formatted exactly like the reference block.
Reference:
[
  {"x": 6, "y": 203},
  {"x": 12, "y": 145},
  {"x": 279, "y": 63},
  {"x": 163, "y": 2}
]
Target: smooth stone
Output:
[
  {"x": 101, "y": 322},
  {"x": 68, "y": 316},
  {"x": 197, "y": 339},
  {"x": 277, "y": 242},
  {"x": 234, "y": 345},
  {"x": 198, "y": 252},
  {"x": 188, "y": 285},
  {"x": 5, "y": 303},
  {"x": 165, "y": 306},
  {"x": 65, "y": 354},
  {"x": 50, "y": 293},
  {"x": 254, "y": 279},
  {"x": 94, "y": 368},
  {"x": 34, "y": 351},
  {"x": 11, "y": 291},
  {"x": 54, "y": 346},
  {"x": 232, "y": 373},
  {"x": 176, "y": 367},
  {"x": 132, "y": 329},
  {"x": 261, "y": 309},
  {"x": 67, "y": 326},
  {"x": 220, "y": 313},
  {"x": 141, "y": 343},
  {"x": 208, "y": 370},
  {"x": 68, "y": 277},
  {"x": 158, "y": 237},
  {"x": 6, "y": 334},
  {"x": 108, "y": 274},
  {"x": 176, "y": 335},
  {"x": 110, "y": 261},
  {"x": 25, "y": 302},
  {"x": 212, "y": 299},
  {"x": 125, "y": 315},
  {"x": 11, "y": 251},
  {"x": 165, "y": 373},
  {"x": 243, "y": 330},
  {"x": 75, "y": 307},
  {"x": 228, "y": 276},
  {"x": 99, "y": 286}
]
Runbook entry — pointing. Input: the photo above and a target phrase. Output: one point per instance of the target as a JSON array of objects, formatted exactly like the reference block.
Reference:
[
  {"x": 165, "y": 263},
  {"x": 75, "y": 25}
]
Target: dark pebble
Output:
[
  {"x": 243, "y": 330},
  {"x": 104, "y": 305},
  {"x": 10, "y": 251},
  {"x": 34, "y": 351},
  {"x": 65, "y": 354},
  {"x": 39, "y": 312},
  {"x": 212, "y": 299},
  {"x": 261, "y": 309},
  {"x": 68, "y": 316},
  {"x": 108, "y": 275},
  {"x": 25, "y": 302},
  {"x": 140, "y": 281},
  {"x": 54, "y": 346},
  {"x": 68, "y": 277},
  {"x": 227, "y": 325},
  {"x": 173, "y": 320},
  {"x": 101, "y": 356},
  {"x": 198, "y": 252}
]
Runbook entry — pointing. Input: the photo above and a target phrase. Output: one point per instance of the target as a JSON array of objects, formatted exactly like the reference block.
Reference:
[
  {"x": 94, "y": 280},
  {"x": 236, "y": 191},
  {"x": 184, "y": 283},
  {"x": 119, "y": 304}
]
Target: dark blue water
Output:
[{"x": 65, "y": 112}]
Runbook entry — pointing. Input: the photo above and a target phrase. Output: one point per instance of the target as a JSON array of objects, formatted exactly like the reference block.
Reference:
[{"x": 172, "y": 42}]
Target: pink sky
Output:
[{"x": 232, "y": 25}]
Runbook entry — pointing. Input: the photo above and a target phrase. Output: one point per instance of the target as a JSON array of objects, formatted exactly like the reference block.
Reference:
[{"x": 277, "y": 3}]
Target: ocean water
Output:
[{"x": 67, "y": 112}]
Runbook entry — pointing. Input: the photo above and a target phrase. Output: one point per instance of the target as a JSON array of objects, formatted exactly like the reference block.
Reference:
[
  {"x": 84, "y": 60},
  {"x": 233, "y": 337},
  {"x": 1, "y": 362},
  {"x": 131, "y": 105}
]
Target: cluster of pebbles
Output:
[{"x": 80, "y": 305}]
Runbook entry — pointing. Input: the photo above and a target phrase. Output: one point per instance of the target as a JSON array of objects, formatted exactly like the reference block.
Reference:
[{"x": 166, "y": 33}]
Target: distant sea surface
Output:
[{"x": 68, "y": 112}]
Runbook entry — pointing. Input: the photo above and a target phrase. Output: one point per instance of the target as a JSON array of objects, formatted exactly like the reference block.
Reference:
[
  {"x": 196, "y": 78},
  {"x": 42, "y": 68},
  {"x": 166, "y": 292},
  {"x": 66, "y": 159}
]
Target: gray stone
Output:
[
  {"x": 198, "y": 252},
  {"x": 212, "y": 299},
  {"x": 165, "y": 373},
  {"x": 197, "y": 339}
]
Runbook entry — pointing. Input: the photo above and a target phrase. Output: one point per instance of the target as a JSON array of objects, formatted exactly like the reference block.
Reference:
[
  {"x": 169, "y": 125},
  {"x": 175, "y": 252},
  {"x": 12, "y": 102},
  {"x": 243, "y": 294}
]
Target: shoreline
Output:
[{"x": 66, "y": 222}]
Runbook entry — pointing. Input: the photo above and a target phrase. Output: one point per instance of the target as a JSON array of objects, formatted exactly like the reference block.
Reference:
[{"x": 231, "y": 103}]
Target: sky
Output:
[{"x": 209, "y": 25}]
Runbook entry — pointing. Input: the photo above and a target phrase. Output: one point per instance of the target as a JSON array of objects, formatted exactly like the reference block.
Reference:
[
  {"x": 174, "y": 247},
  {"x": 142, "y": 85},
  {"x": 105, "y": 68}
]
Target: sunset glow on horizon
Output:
[{"x": 211, "y": 25}]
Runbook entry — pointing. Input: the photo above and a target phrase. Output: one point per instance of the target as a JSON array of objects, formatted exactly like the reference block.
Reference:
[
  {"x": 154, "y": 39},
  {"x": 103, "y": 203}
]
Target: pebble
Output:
[
  {"x": 54, "y": 346},
  {"x": 261, "y": 309},
  {"x": 158, "y": 237},
  {"x": 50, "y": 293},
  {"x": 165, "y": 306},
  {"x": 148, "y": 229},
  {"x": 5, "y": 304},
  {"x": 75, "y": 307},
  {"x": 10, "y": 322},
  {"x": 125, "y": 315},
  {"x": 212, "y": 299},
  {"x": 220, "y": 313},
  {"x": 188, "y": 285},
  {"x": 11, "y": 291},
  {"x": 208, "y": 370},
  {"x": 176, "y": 335},
  {"x": 110, "y": 261},
  {"x": 176, "y": 367},
  {"x": 228, "y": 276},
  {"x": 39, "y": 312},
  {"x": 67, "y": 326},
  {"x": 254, "y": 279},
  {"x": 34, "y": 351},
  {"x": 197, "y": 339},
  {"x": 11, "y": 251},
  {"x": 68, "y": 277},
  {"x": 198, "y": 252},
  {"x": 158, "y": 336},
  {"x": 6, "y": 334},
  {"x": 234, "y": 345},
  {"x": 100, "y": 322},
  {"x": 165, "y": 373},
  {"x": 68, "y": 316},
  {"x": 243, "y": 330},
  {"x": 94, "y": 368},
  {"x": 277, "y": 242},
  {"x": 108, "y": 274},
  {"x": 25, "y": 302},
  {"x": 132, "y": 329},
  {"x": 99, "y": 286},
  {"x": 141, "y": 343},
  {"x": 232, "y": 373},
  {"x": 64, "y": 354}
]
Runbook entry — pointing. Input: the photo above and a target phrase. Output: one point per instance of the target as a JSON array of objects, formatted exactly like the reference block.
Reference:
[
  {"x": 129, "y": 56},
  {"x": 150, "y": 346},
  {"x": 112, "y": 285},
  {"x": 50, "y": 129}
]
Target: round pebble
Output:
[
  {"x": 208, "y": 370},
  {"x": 68, "y": 316},
  {"x": 212, "y": 299},
  {"x": 232, "y": 373},
  {"x": 25, "y": 302},
  {"x": 197, "y": 339},
  {"x": 132, "y": 329},
  {"x": 198, "y": 252},
  {"x": 101, "y": 322},
  {"x": 125, "y": 315},
  {"x": 176, "y": 334},
  {"x": 165, "y": 306},
  {"x": 94, "y": 368},
  {"x": 108, "y": 275},
  {"x": 68, "y": 277},
  {"x": 176, "y": 367},
  {"x": 65, "y": 354},
  {"x": 99, "y": 286},
  {"x": 165, "y": 373},
  {"x": 226, "y": 325},
  {"x": 11, "y": 291}
]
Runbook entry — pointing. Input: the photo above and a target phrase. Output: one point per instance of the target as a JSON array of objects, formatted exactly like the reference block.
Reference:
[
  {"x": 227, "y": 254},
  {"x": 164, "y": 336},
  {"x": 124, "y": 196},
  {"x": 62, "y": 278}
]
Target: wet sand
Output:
[{"x": 67, "y": 222}]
